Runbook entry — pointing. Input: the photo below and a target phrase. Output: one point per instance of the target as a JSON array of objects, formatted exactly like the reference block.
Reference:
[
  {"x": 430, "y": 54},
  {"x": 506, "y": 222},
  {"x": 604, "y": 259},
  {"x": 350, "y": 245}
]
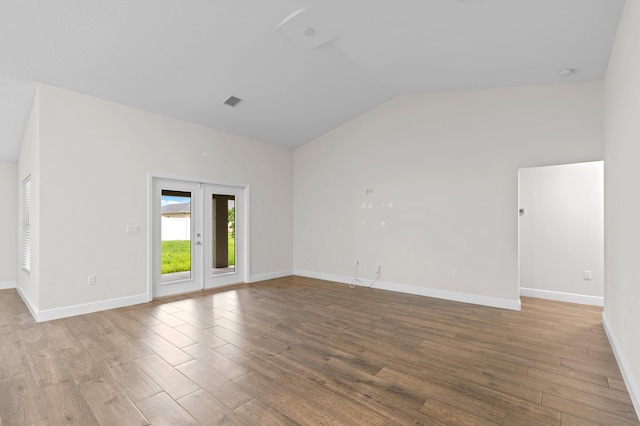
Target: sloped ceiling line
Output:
[{"x": 183, "y": 60}]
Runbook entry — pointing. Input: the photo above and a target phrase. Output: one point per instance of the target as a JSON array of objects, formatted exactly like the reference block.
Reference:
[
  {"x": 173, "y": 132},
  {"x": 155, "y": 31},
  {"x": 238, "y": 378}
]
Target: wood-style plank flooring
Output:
[{"x": 302, "y": 351}]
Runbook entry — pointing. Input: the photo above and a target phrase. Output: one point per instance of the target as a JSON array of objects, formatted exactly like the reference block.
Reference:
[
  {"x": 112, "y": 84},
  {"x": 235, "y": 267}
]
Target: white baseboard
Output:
[
  {"x": 562, "y": 297},
  {"x": 326, "y": 277},
  {"x": 28, "y": 303},
  {"x": 270, "y": 275},
  {"x": 6, "y": 285},
  {"x": 87, "y": 308},
  {"x": 493, "y": 302},
  {"x": 632, "y": 387}
]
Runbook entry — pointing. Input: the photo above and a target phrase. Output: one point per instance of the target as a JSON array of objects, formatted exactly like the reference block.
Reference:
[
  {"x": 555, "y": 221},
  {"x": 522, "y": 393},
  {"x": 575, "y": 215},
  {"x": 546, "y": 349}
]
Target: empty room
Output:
[{"x": 320, "y": 213}]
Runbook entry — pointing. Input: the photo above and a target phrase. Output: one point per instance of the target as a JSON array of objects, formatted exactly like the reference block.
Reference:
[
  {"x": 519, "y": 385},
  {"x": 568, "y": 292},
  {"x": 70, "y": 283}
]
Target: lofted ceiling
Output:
[{"x": 301, "y": 67}]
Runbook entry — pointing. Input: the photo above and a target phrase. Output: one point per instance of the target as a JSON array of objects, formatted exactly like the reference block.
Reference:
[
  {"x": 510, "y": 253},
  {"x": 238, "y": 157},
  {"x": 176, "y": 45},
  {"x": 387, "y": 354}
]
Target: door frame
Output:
[
  {"x": 153, "y": 260},
  {"x": 553, "y": 293}
]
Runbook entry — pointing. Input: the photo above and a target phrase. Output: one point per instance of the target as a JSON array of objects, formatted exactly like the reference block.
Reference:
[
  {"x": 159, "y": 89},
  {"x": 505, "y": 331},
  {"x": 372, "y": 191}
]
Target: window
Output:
[{"x": 26, "y": 224}]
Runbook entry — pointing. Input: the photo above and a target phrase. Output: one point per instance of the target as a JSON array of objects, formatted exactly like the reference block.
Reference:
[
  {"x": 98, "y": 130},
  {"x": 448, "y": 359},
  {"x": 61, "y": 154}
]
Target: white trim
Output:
[
  {"x": 632, "y": 388},
  {"x": 562, "y": 297},
  {"x": 192, "y": 179},
  {"x": 149, "y": 248},
  {"x": 87, "y": 308},
  {"x": 28, "y": 303},
  {"x": 6, "y": 285},
  {"x": 245, "y": 273},
  {"x": 270, "y": 275},
  {"x": 322, "y": 276},
  {"x": 493, "y": 302}
]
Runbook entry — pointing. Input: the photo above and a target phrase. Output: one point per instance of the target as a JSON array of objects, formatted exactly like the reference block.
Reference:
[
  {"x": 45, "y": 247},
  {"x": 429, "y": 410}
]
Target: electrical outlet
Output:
[
  {"x": 378, "y": 268},
  {"x": 357, "y": 261},
  {"x": 456, "y": 273},
  {"x": 587, "y": 275},
  {"x": 91, "y": 280}
]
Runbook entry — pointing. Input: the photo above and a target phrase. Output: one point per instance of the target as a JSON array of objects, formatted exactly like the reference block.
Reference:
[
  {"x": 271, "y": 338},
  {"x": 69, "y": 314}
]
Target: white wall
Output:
[
  {"x": 448, "y": 164},
  {"x": 622, "y": 197},
  {"x": 29, "y": 165},
  {"x": 562, "y": 232},
  {"x": 96, "y": 154},
  {"x": 8, "y": 225}
]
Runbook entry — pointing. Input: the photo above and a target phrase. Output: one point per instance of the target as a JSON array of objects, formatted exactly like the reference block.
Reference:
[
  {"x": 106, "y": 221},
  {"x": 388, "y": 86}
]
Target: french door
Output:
[{"x": 197, "y": 236}]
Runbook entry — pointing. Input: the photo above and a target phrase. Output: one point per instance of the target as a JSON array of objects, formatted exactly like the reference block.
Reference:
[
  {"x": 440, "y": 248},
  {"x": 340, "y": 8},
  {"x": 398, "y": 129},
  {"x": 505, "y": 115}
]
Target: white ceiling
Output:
[{"x": 184, "y": 58}]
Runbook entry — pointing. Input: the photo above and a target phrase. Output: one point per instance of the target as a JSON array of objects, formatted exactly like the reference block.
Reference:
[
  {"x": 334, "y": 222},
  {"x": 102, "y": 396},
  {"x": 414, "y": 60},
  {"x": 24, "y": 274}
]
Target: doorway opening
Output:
[{"x": 561, "y": 232}]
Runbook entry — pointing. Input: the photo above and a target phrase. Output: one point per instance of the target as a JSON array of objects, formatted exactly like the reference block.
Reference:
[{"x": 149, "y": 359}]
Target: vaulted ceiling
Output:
[{"x": 301, "y": 67}]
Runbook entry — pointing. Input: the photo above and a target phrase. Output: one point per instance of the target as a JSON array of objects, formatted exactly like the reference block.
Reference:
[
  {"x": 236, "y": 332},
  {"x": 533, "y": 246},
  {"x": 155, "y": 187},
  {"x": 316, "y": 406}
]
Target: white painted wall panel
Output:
[
  {"x": 8, "y": 222},
  {"x": 97, "y": 155},
  {"x": 622, "y": 196},
  {"x": 448, "y": 165}
]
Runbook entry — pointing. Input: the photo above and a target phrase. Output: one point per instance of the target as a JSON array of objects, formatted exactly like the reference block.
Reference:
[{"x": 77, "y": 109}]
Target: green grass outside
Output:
[
  {"x": 176, "y": 255},
  {"x": 232, "y": 250}
]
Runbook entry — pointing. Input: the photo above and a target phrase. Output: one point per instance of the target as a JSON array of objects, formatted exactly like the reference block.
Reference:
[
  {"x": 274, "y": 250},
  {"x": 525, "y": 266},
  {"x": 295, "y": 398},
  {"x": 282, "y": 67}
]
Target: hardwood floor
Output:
[{"x": 303, "y": 351}]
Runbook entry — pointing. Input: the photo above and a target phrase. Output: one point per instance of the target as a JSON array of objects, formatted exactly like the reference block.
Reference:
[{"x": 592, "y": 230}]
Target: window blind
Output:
[{"x": 26, "y": 223}]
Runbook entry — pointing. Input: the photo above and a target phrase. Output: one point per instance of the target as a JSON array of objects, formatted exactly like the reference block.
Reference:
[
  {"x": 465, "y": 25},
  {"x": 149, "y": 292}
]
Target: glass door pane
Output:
[
  {"x": 223, "y": 254},
  {"x": 175, "y": 233},
  {"x": 223, "y": 218}
]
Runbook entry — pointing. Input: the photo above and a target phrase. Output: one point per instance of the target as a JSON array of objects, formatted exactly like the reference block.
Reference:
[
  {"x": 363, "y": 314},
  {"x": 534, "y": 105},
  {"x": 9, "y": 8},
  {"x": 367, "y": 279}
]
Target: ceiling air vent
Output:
[{"x": 232, "y": 101}]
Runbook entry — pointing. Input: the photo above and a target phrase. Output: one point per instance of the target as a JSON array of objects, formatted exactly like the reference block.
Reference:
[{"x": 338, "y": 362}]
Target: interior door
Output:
[{"x": 177, "y": 237}]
